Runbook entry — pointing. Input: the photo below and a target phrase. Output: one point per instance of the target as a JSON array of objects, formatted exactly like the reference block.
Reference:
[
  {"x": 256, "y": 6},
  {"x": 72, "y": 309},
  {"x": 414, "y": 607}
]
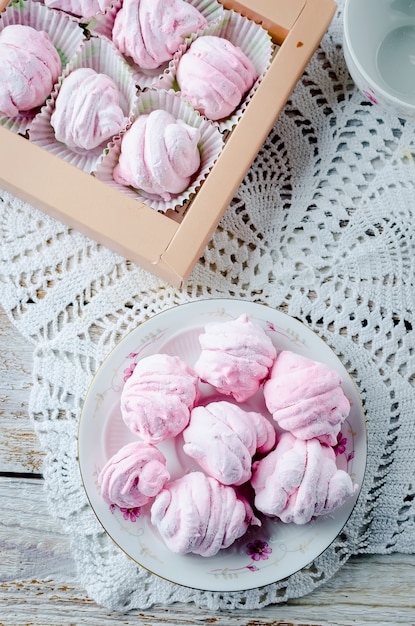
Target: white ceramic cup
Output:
[{"x": 379, "y": 49}]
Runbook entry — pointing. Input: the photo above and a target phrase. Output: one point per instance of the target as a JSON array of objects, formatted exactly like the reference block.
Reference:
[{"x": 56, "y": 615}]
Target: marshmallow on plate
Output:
[
  {"x": 299, "y": 480},
  {"x": 197, "y": 514},
  {"x": 305, "y": 397},
  {"x": 134, "y": 475},
  {"x": 223, "y": 438},
  {"x": 157, "y": 398},
  {"x": 236, "y": 357}
]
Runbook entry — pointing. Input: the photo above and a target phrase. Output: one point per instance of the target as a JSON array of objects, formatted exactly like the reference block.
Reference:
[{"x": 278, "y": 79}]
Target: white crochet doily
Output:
[{"x": 323, "y": 228}]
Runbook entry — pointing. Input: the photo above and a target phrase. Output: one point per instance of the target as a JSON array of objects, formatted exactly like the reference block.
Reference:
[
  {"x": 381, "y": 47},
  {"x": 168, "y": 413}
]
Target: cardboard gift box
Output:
[{"x": 170, "y": 244}]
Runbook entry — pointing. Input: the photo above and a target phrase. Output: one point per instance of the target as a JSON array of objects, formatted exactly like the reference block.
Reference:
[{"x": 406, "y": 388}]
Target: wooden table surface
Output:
[{"x": 38, "y": 583}]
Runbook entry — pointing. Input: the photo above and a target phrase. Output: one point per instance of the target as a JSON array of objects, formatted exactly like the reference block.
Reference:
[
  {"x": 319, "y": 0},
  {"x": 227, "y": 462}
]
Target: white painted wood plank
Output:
[
  {"x": 62, "y": 603},
  {"x": 32, "y": 544},
  {"x": 19, "y": 448}
]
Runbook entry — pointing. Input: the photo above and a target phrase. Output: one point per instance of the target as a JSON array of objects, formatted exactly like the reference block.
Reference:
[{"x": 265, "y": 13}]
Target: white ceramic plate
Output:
[{"x": 264, "y": 555}]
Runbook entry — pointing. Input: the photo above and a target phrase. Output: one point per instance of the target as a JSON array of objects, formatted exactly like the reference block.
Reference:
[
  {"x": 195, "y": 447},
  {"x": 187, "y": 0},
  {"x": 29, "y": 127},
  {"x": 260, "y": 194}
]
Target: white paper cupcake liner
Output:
[
  {"x": 64, "y": 32},
  {"x": 83, "y": 19},
  {"x": 100, "y": 55},
  {"x": 212, "y": 10},
  {"x": 103, "y": 22},
  {"x": 250, "y": 37},
  {"x": 210, "y": 146}
]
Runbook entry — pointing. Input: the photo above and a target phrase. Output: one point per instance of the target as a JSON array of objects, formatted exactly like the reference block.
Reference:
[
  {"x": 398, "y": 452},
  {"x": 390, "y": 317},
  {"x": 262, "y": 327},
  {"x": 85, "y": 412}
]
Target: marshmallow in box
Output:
[{"x": 169, "y": 243}]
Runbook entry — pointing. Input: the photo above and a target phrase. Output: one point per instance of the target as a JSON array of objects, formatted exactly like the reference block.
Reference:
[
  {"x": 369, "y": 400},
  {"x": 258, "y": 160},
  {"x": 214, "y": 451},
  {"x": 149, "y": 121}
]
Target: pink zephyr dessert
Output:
[
  {"x": 236, "y": 357},
  {"x": 80, "y": 8},
  {"x": 134, "y": 475},
  {"x": 30, "y": 66},
  {"x": 214, "y": 75},
  {"x": 299, "y": 480},
  {"x": 157, "y": 398},
  {"x": 159, "y": 155},
  {"x": 197, "y": 514},
  {"x": 87, "y": 110},
  {"x": 305, "y": 397},
  {"x": 150, "y": 32},
  {"x": 223, "y": 438}
]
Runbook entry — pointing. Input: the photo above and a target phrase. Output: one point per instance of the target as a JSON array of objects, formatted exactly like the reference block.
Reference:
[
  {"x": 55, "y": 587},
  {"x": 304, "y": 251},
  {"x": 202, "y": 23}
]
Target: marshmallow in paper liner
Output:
[
  {"x": 211, "y": 10},
  {"x": 30, "y": 67},
  {"x": 151, "y": 31},
  {"x": 64, "y": 32},
  {"x": 210, "y": 146},
  {"x": 254, "y": 41},
  {"x": 100, "y": 55}
]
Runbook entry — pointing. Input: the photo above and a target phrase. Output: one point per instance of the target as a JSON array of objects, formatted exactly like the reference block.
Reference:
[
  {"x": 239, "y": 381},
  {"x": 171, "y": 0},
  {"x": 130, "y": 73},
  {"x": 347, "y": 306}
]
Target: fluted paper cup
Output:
[
  {"x": 254, "y": 41},
  {"x": 100, "y": 55},
  {"x": 102, "y": 22},
  {"x": 84, "y": 11},
  {"x": 210, "y": 146},
  {"x": 64, "y": 32}
]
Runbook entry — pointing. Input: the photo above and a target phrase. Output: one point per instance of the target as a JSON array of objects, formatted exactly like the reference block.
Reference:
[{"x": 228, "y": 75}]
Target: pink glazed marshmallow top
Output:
[
  {"x": 299, "y": 480},
  {"x": 157, "y": 398},
  {"x": 150, "y": 32},
  {"x": 235, "y": 357},
  {"x": 87, "y": 110},
  {"x": 197, "y": 514},
  {"x": 159, "y": 155},
  {"x": 80, "y": 8},
  {"x": 214, "y": 75},
  {"x": 134, "y": 475},
  {"x": 305, "y": 397},
  {"x": 223, "y": 438},
  {"x": 30, "y": 66}
]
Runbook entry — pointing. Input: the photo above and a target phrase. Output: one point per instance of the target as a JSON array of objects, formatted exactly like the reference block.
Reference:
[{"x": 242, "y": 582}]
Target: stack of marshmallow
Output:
[{"x": 291, "y": 465}]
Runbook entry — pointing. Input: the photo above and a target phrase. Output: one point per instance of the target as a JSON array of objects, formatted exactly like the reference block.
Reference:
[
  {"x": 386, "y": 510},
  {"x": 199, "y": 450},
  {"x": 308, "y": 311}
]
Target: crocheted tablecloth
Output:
[{"x": 322, "y": 227}]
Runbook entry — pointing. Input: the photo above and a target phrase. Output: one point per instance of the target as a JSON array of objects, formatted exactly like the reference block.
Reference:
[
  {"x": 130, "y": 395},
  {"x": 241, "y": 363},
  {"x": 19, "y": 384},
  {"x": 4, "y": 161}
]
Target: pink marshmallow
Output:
[
  {"x": 134, "y": 475},
  {"x": 159, "y": 155},
  {"x": 157, "y": 398},
  {"x": 236, "y": 357},
  {"x": 151, "y": 31},
  {"x": 87, "y": 110},
  {"x": 197, "y": 514},
  {"x": 214, "y": 75},
  {"x": 299, "y": 480},
  {"x": 305, "y": 397},
  {"x": 30, "y": 66},
  {"x": 223, "y": 438}
]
